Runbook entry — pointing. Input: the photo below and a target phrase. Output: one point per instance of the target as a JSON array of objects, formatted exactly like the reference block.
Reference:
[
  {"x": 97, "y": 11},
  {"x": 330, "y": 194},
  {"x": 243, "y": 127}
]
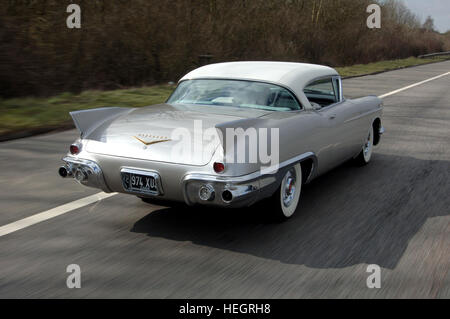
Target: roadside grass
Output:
[
  {"x": 31, "y": 113},
  {"x": 363, "y": 69}
]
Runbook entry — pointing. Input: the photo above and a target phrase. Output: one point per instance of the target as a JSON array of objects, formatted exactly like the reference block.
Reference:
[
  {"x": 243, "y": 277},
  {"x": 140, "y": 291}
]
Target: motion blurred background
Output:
[
  {"x": 393, "y": 213},
  {"x": 142, "y": 43},
  {"x": 130, "y": 43}
]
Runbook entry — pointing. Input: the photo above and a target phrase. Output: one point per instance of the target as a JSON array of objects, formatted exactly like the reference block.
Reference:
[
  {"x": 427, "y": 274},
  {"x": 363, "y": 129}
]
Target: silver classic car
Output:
[{"x": 230, "y": 135}]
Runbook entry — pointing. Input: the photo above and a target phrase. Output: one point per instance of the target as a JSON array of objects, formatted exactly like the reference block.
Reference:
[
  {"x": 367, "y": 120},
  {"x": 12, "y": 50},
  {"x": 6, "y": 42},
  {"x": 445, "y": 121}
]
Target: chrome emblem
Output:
[{"x": 156, "y": 139}]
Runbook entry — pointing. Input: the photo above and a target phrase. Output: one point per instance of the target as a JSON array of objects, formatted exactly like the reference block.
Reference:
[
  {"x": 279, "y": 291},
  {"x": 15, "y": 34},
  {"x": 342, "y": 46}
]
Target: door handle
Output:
[{"x": 332, "y": 116}]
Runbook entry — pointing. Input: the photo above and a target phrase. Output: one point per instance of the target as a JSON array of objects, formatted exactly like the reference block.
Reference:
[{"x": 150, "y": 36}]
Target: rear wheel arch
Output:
[
  {"x": 308, "y": 165},
  {"x": 376, "y": 131}
]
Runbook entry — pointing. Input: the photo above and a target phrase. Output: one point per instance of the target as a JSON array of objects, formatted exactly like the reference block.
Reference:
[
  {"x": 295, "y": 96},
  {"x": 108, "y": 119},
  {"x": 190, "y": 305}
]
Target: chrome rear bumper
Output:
[
  {"x": 227, "y": 192},
  {"x": 224, "y": 193},
  {"x": 192, "y": 188},
  {"x": 230, "y": 192},
  {"x": 86, "y": 172}
]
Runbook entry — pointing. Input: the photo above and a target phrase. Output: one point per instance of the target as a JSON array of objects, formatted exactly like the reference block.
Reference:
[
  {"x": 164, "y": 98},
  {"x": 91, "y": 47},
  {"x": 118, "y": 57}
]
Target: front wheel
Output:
[
  {"x": 365, "y": 155},
  {"x": 286, "y": 198}
]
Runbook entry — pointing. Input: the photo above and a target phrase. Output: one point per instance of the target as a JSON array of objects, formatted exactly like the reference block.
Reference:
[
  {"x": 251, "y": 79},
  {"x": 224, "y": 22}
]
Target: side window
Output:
[{"x": 323, "y": 92}]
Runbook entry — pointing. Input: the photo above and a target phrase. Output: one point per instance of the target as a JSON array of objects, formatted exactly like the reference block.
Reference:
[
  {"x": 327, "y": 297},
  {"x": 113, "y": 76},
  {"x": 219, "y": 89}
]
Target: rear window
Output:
[{"x": 234, "y": 93}]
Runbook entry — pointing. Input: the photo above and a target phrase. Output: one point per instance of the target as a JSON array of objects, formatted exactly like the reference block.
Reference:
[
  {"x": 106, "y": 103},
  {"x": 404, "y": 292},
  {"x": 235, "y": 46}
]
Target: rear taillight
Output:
[
  {"x": 219, "y": 167},
  {"x": 75, "y": 149}
]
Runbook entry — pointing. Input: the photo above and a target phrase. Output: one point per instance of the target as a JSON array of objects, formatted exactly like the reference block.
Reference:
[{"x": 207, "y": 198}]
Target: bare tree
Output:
[
  {"x": 429, "y": 24},
  {"x": 140, "y": 42}
]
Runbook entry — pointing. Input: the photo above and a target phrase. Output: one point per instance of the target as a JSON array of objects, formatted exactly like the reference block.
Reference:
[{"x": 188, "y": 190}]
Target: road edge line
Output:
[
  {"x": 54, "y": 212},
  {"x": 413, "y": 85}
]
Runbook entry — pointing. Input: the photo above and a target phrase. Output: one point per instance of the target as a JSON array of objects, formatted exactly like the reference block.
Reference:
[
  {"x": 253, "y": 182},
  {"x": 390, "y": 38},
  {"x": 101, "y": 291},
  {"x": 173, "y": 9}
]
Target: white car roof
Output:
[{"x": 294, "y": 76}]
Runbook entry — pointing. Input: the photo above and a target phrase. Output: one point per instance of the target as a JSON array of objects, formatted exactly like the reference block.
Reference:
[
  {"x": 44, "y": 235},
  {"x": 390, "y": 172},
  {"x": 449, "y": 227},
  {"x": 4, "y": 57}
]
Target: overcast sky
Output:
[{"x": 438, "y": 9}]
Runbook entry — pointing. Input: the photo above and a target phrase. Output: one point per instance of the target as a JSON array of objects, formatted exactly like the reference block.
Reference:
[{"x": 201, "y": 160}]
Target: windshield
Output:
[{"x": 234, "y": 93}]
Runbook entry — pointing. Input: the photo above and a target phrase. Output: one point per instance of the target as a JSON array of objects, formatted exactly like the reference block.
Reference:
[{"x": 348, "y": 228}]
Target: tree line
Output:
[{"x": 123, "y": 43}]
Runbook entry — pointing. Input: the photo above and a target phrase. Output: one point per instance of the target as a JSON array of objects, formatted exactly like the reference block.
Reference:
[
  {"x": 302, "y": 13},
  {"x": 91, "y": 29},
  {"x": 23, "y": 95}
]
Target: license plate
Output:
[{"x": 140, "y": 182}]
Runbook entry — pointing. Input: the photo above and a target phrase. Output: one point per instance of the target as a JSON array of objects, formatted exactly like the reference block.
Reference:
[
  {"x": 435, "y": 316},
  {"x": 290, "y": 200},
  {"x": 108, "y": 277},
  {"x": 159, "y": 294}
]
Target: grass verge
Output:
[
  {"x": 31, "y": 113},
  {"x": 27, "y": 116},
  {"x": 382, "y": 66}
]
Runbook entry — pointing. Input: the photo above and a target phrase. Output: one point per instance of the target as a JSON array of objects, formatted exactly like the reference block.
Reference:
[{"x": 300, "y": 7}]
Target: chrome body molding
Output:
[
  {"x": 252, "y": 176},
  {"x": 362, "y": 115}
]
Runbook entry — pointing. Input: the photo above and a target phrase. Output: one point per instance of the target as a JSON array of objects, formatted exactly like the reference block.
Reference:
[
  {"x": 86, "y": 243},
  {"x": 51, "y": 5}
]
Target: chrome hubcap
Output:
[
  {"x": 289, "y": 188},
  {"x": 367, "y": 145}
]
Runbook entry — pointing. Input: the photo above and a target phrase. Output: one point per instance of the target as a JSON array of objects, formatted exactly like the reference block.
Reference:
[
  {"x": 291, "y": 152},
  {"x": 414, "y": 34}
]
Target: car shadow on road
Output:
[{"x": 349, "y": 216}]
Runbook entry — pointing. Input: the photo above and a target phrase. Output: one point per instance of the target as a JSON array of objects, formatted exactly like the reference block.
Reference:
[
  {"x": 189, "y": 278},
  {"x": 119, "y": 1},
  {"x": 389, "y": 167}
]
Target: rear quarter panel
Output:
[{"x": 367, "y": 109}]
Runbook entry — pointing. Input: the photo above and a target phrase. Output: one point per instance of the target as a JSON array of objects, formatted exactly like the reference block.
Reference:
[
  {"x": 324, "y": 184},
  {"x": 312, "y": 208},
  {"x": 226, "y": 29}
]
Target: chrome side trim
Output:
[
  {"x": 341, "y": 92},
  {"x": 362, "y": 115},
  {"x": 250, "y": 177}
]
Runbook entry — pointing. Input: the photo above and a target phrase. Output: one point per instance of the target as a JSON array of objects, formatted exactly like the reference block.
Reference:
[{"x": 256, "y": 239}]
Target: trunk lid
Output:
[{"x": 179, "y": 134}]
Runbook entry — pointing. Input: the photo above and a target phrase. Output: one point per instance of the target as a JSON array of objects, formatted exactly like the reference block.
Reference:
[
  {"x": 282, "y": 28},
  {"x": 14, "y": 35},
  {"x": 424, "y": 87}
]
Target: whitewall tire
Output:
[
  {"x": 287, "y": 197},
  {"x": 365, "y": 155}
]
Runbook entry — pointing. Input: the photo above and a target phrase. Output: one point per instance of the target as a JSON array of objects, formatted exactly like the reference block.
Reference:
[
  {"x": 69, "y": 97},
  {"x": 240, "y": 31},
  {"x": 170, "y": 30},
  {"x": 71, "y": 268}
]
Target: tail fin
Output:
[{"x": 87, "y": 121}]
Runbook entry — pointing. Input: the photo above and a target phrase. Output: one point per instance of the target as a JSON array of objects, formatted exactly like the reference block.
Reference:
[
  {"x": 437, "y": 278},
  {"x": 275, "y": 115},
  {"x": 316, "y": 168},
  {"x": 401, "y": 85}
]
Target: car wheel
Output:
[
  {"x": 365, "y": 155},
  {"x": 286, "y": 198}
]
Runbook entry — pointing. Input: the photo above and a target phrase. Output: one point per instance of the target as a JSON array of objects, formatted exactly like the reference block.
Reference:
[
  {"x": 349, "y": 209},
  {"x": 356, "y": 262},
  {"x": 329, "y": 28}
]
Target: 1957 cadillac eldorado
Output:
[{"x": 231, "y": 134}]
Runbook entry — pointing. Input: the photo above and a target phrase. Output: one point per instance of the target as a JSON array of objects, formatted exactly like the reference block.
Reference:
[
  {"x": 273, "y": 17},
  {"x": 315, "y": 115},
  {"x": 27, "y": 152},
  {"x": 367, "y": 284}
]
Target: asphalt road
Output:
[{"x": 393, "y": 213}]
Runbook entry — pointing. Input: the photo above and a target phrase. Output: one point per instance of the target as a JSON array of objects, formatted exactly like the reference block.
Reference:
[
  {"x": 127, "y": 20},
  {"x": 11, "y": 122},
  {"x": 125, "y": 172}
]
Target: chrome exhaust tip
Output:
[
  {"x": 64, "y": 172},
  {"x": 227, "y": 196}
]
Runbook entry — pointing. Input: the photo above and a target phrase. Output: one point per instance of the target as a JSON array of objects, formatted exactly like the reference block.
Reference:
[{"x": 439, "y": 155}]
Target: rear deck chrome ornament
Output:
[{"x": 151, "y": 142}]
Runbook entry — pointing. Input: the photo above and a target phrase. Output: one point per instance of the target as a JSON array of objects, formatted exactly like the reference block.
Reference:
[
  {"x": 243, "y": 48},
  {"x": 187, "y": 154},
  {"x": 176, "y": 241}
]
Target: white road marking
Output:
[
  {"x": 412, "y": 85},
  {"x": 40, "y": 217},
  {"x": 37, "y": 218}
]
